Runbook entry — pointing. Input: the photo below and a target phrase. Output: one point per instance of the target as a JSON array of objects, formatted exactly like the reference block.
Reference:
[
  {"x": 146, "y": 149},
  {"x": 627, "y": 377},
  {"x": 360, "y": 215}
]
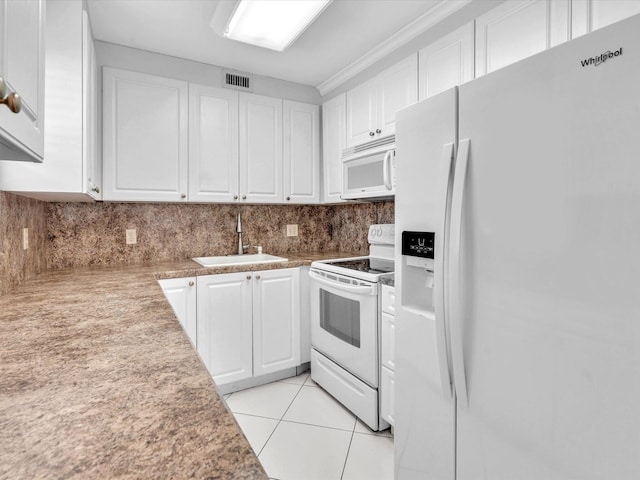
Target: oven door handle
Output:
[{"x": 359, "y": 289}]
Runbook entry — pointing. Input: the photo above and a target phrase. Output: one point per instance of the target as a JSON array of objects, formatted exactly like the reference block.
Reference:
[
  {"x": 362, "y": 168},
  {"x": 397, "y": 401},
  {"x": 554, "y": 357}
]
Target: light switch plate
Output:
[
  {"x": 132, "y": 237},
  {"x": 292, "y": 230},
  {"x": 25, "y": 238}
]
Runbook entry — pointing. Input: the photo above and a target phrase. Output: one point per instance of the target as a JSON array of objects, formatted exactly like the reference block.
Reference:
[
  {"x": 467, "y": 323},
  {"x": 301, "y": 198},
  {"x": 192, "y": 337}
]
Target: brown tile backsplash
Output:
[
  {"x": 16, "y": 263},
  {"x": 94, "y": 234},
  {"x": 79, "y": 234}
]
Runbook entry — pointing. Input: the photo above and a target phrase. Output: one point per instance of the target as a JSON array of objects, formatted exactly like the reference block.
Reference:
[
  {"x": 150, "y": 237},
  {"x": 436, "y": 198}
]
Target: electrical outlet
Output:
[
  {"x": 131, "y": 236},
  {"x": 292, "y": 230},
  {"x": 25, "y": 238}
]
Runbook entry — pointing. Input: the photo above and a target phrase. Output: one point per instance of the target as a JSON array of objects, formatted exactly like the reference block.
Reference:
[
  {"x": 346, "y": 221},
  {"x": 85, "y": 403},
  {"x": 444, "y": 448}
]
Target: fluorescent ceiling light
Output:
[{"x": 273, "y": 24}]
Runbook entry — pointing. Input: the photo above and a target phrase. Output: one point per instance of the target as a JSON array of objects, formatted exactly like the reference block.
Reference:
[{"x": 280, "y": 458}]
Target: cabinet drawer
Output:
[{"x": 388, "y": 299}]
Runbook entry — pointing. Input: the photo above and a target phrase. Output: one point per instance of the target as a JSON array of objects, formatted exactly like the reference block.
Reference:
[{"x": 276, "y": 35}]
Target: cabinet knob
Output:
[
  {"x": 288, "y": 198},
  {"x": 235, "y": 197},
  {"x": 248, "y": 277},
  {"x": 95, "y": 189},
  {"x": 244, "y": 197},
  {"x": 183, "y": 195},
  {"x": 378, "y": 131},
  {"x": 371, "y": 134},
  {"x": 191, "y": 284},
  {"x": 12, "y": 101},
  {"x": 257, "y": 277}
]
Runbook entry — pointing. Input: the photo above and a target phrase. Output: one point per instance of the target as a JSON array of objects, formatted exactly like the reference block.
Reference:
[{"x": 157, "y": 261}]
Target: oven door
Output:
[{"x": 344, "y": 322}]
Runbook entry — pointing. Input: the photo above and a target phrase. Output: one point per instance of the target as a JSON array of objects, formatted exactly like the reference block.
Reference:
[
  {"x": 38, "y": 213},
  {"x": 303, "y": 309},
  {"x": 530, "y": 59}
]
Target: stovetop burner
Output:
[{"x": 368, "y": 265}]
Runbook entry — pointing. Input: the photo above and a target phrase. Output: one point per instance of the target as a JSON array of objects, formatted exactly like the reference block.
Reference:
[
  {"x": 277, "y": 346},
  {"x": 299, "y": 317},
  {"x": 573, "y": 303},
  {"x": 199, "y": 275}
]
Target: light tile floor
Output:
[{"x": 300, "y": 432}]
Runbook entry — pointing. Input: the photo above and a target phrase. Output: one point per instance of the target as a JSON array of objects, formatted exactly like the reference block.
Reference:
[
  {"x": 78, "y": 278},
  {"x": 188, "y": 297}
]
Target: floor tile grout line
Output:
[
  {"x": 346, "y": 458},
  {"x": 319, "y": 426},
  {"x": 279, "y": 421}
]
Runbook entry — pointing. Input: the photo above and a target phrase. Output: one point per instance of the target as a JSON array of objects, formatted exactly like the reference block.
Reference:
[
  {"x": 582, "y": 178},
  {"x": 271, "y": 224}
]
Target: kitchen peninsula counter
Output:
[{"x": 98, "y": 380}]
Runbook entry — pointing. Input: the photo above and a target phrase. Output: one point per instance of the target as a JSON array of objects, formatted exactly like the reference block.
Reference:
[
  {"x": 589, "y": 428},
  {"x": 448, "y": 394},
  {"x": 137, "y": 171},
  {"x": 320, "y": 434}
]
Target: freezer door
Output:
[
  {"x": 551, "y": 265},
  {"x": 425, "y": 409}
]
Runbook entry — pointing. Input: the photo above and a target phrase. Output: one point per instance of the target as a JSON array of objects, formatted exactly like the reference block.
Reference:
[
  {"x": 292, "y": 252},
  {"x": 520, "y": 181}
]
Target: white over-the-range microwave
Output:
[{"x": 368, "y": 170}]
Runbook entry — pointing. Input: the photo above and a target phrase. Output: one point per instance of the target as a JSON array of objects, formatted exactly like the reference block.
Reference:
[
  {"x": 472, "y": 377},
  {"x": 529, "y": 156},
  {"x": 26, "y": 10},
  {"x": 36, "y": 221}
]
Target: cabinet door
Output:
[
  {"x": 398, "y": 88},
  {"x": 589, "y": 15},
  {"x": 388, "y": 396},
  {"x": 213, "y": 144},
  {"x": 388, "y": 355},
  {"x": 447, "y": 62},
  {"x": 181, "y": 295},
  {"x": 276, "y": 320},
  {"x": 22, "y": 64},
  {"x": 224, "y": 331},
  {"x": 260, "y": 149},
  {"x": 90, "y": 155},
  {"x": 362, "y": 104},
  {"x": 301, "y": 123},
  {"x": 333, "y": 142},
  {"x": 145, "y": 137},
  {"x": 62, "y": 176},
  {"x": 518, "y": 29}
]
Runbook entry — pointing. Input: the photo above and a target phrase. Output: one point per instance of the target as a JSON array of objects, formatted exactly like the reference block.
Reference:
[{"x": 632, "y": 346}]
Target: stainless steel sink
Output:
[{"x": 230, "y": 260}]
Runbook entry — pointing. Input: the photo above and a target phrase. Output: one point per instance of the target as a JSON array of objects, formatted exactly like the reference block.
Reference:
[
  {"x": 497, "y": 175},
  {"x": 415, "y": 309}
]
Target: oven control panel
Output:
[{"x": 418, "y": 244}]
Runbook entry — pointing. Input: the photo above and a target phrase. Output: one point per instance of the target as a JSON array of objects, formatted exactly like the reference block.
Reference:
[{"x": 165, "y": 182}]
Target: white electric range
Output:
[{"x": 345, "y": 325}]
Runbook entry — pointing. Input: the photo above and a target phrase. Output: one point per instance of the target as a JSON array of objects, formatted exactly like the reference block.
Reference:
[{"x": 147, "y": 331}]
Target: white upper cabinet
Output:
[
  {"x": 91, "y": 159},
  {"x": 398, "y": 89},
  {"x": 145, "y": 137},
  {"x": 447, "y": 62},
  {"x": 260, "y": 149},
  {"x": 371, "y": 107},
  {"x": 301, "y": 123},
  {"x": 518, "y": 29},
  {"x": 589, "y": 15},
  {"x": 213, "y": 144},
  {"x": 362, "y": 113},
  {"x": 71, "y": 170},
  {"x": 22, "y": 65},
  {"x": 333, "y": 142}
]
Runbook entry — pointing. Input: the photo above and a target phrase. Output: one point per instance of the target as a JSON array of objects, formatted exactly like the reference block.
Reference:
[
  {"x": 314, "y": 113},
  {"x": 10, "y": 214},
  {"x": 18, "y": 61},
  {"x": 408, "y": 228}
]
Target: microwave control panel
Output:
[{"x": 418, "y": 244}]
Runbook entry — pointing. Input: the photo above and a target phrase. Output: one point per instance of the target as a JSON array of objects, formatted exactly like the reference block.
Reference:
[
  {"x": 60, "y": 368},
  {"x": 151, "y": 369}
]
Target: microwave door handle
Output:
[
  {"x": 386, "y": 170},
  {"x": 359, "y": 289}
]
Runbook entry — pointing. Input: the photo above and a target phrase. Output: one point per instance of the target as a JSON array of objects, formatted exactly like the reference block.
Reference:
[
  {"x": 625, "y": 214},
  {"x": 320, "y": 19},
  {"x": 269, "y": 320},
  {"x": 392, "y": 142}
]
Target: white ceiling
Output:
[{"x": 348, "y": 36}]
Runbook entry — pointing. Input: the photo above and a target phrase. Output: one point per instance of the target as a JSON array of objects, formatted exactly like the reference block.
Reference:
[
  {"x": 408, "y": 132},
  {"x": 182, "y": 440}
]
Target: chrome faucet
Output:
[{"x": 242, "y": 248}]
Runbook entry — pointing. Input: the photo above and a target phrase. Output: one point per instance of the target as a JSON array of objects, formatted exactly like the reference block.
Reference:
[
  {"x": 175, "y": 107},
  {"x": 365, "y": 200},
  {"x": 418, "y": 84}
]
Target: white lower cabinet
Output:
[
  {"x": 387, "y": 357},
  {"x": 276, "y": 320},
  {"x": 225, "y": 325},
  {"x": 248, "y": 323},
  {"x": 181, "y": 294}
]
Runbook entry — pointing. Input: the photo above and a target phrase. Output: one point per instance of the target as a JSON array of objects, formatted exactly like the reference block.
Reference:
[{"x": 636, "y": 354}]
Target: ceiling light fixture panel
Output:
[{"x": 273, "y": 24}]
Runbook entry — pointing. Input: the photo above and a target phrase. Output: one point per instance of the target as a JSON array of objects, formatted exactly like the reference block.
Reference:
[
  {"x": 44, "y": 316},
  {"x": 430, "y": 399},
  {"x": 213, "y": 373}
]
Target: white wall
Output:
[{"x": 143, "y": 61}]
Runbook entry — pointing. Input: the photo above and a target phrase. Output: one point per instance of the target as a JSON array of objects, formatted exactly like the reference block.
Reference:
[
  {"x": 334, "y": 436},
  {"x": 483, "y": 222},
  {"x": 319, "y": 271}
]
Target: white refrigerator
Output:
[{"x": 518, "y": 343}]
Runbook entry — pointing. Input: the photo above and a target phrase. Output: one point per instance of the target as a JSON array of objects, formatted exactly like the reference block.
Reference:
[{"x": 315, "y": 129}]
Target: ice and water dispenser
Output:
[{"x": 418, "y": 270}]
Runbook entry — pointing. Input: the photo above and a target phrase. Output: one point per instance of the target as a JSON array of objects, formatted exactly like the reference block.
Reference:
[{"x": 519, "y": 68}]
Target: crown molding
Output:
[{"x": 408, "y": 33}]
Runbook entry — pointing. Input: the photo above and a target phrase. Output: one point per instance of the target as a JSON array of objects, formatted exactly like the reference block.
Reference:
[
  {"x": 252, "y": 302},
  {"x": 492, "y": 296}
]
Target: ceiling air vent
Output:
[{"x": 238, "y": 81}]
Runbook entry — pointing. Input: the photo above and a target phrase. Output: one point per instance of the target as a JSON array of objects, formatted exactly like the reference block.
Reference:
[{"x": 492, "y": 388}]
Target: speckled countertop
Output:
[{"x": 98, "y": 380}]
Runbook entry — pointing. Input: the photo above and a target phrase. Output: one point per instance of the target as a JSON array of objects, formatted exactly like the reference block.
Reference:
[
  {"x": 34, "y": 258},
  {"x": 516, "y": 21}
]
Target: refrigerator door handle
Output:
[
  {"x": 439, "y": 277},
  {"x": 454, "y": 309}
]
